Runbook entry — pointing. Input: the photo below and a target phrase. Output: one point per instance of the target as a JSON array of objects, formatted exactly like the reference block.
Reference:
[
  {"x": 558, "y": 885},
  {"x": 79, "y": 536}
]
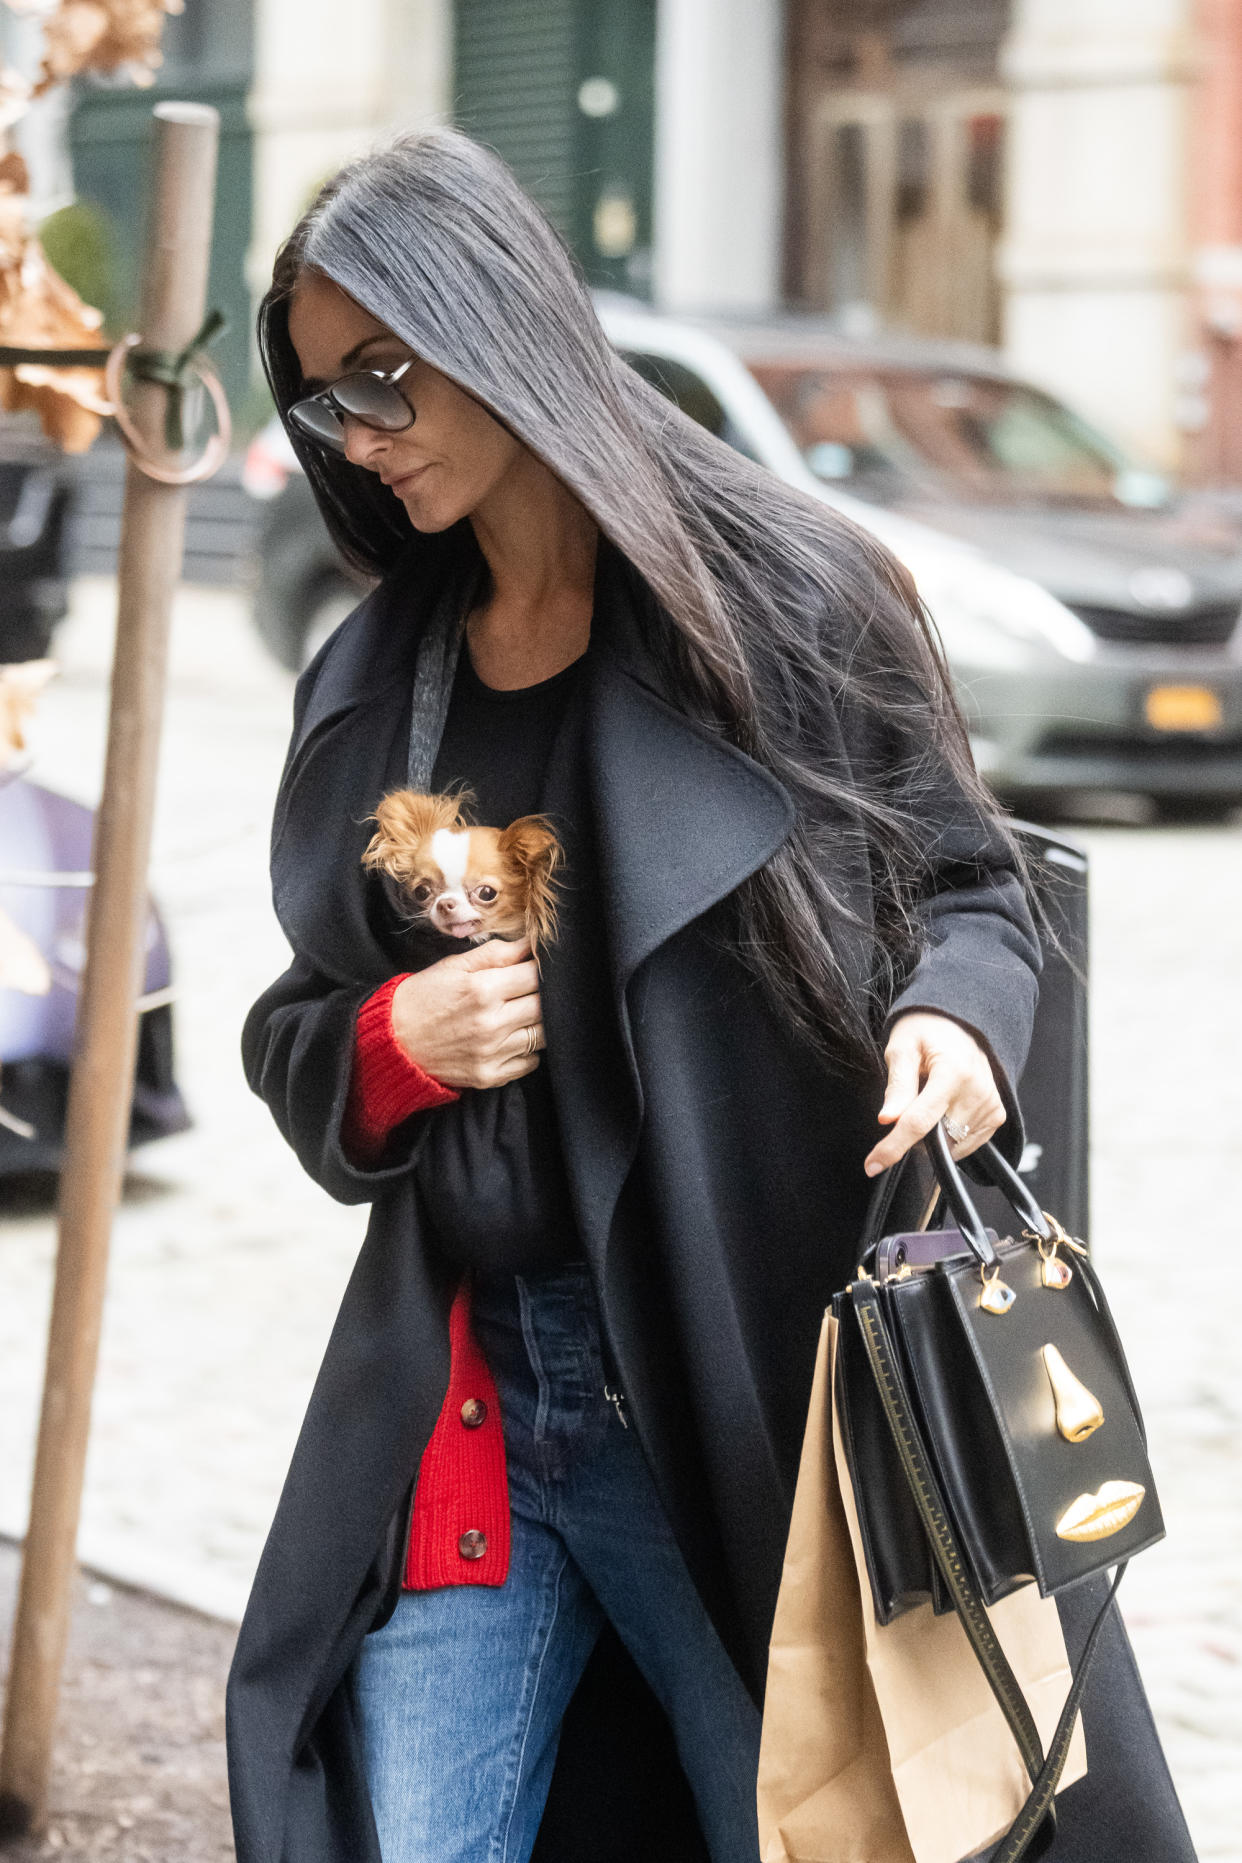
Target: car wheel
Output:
[{"x": 1191, "y": 811}]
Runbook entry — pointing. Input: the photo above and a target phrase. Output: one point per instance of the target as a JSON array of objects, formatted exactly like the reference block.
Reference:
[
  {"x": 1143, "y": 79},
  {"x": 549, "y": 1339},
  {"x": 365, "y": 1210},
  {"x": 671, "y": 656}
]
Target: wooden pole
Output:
[{"x": 174, "y": 287}]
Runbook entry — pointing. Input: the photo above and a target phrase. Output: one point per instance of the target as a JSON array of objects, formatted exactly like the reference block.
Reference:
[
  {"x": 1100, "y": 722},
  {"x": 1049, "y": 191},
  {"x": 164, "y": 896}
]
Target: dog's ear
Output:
[
  {"x": 404, "y": 820},
  {"x": 532, "y": 847}
]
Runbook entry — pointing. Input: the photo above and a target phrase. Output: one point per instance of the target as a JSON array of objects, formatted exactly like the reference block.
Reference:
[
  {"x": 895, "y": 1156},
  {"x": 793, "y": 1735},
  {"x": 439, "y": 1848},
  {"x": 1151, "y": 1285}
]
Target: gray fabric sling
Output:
[{"x": 435, "y": 667}]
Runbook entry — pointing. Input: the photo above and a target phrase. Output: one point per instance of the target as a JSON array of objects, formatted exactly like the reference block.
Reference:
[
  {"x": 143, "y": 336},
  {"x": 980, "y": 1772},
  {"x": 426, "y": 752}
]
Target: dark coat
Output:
[{"x": 714, "y": 1162}]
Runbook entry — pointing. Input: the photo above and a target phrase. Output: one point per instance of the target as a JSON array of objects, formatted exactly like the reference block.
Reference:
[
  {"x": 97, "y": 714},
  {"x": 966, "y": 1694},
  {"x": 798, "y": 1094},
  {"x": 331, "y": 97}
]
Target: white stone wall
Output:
[
  {"x": 328, "y": 83},
  {"x": 719, "y": 154},
  {"x": 1095, "y": 260}
]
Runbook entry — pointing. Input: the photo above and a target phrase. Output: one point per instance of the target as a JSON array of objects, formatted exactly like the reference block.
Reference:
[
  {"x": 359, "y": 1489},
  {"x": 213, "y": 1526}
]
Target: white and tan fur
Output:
[{"x": 466, "y": 882}]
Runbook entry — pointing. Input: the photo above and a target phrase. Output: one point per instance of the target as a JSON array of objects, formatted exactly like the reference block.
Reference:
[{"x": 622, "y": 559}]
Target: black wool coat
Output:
[{"x": 715, "y": 1162}]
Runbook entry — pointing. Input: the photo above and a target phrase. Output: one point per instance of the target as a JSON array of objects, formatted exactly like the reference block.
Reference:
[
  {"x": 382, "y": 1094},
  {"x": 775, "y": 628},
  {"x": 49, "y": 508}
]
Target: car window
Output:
[
  {"x": 892, "y": 431},
  {"x": 688, "y": 391}
]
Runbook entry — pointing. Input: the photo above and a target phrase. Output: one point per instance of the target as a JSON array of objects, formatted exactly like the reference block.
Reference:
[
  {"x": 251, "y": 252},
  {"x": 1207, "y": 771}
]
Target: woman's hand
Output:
[
  {"x": 936, "y": 1068},
  {"x": 467, "y": 1019}
]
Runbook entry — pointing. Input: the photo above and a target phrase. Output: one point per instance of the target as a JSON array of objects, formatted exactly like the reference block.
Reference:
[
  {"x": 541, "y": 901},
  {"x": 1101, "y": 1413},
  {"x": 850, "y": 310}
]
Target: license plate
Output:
[{"x": 1183, "y": 708}]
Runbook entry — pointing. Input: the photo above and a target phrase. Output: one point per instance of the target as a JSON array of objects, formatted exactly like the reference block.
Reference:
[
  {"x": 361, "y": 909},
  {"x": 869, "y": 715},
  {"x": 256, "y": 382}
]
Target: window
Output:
[{"x": 889, "y": 433}]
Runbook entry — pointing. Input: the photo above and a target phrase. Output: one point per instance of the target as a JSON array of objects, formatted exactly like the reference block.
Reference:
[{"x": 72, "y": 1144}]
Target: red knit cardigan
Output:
[{"x": 459, "y": 1533}]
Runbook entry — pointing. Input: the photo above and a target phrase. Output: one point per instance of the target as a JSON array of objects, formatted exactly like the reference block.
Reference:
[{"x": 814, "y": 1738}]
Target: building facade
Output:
[
  {"x": 895, "y": 146},
  {"x": 1018, "y": 172},
  {"x": 1059, "y": 177}
]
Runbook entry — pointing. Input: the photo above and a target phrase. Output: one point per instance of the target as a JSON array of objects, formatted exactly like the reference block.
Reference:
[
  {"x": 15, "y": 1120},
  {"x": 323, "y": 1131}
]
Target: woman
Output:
[{"x": 612, "y": 1192}]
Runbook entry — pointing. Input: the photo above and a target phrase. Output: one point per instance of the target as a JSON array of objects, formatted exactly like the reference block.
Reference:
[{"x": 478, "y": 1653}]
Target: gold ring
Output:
[{"x": 532, "y": 1037}]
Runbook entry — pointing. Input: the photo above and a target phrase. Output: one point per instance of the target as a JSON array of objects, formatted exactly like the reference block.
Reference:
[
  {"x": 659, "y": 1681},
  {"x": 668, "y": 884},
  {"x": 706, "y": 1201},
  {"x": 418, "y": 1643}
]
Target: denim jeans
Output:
[{"x": 460, "y": 1696}]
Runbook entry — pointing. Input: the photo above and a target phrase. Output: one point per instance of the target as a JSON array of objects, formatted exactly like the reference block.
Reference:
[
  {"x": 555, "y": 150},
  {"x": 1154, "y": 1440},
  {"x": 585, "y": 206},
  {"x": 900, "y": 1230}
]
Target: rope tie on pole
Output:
[{"x": 176, "y": 371}]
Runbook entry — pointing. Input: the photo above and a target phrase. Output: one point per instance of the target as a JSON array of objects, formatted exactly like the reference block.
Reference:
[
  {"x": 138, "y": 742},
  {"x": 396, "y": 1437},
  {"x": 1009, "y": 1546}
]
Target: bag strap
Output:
[
  {"x": 1039, "y": 1805},
  {"x": 1032, "y": 1830}
]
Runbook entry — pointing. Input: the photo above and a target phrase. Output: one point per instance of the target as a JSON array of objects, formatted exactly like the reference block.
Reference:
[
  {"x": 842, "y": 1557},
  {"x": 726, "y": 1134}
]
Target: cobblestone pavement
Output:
[
  {"x": 139, "y": 1773},
  {"x": 1167, "y": 1161},
  {"x": 228, "y": 1265}
]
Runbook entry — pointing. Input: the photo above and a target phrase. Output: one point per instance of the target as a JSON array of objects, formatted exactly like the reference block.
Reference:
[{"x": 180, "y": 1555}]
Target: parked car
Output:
[{"x": 1089, "y": 609}]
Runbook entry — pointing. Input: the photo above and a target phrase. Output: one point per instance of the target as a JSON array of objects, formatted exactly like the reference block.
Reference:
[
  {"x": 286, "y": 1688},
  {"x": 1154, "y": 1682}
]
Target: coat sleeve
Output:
[
  {"x": 298, "y": 1046},
  {"x": 979, "y": 956}
]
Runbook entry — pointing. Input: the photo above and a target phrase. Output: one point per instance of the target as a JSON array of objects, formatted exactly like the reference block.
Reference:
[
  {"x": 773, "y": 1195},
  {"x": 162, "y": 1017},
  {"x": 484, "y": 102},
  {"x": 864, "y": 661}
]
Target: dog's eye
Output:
[
  {"x": 422, "y": 892},
  {"x": 485, "y": 895}
]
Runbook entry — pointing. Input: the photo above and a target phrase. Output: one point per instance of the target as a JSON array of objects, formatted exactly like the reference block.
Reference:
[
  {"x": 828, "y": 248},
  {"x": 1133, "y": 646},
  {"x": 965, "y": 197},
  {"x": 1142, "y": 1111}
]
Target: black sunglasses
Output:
[{"x": 370, "y": 396}]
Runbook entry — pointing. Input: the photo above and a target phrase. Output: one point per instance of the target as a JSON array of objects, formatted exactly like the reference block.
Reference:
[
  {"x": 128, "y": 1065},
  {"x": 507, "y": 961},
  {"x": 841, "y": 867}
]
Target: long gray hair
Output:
[{"x": 772, "y": 608}]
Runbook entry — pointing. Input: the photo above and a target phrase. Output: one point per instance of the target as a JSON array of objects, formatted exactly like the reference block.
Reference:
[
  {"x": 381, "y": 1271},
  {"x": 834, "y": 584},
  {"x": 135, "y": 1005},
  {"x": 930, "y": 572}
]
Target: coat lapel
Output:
[
  {"x": 681, "y": 816},
  {"x": 662, "y": 821}
]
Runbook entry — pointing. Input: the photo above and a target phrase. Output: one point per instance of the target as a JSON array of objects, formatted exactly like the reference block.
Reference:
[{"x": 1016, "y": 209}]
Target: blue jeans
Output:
[{"x": 461, "y": 1695}]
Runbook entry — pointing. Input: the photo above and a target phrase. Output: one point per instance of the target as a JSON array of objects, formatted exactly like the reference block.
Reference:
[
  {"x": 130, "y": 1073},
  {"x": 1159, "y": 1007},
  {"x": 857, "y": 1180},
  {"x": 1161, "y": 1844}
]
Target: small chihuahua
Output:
[{"x": 464, "y": 882}]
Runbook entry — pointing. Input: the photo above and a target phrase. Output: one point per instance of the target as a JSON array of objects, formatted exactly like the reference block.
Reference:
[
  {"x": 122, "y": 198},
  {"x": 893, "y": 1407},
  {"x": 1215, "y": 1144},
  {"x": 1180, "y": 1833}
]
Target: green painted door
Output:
[
  {"x": 207, "y": 60},
  {"x": 564, "y": 91}
]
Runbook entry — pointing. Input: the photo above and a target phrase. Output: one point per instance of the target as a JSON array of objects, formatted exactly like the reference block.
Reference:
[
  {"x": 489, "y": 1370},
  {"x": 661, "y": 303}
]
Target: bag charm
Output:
[{"x": 1056, "y": 1272}]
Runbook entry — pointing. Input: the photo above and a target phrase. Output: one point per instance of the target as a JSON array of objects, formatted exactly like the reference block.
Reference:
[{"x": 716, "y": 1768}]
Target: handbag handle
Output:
[{"x": 995, "y": 1169}]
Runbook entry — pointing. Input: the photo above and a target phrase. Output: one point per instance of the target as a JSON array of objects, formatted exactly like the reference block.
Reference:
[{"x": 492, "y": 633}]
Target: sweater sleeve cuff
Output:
[{"x": 385, "y": 1086}]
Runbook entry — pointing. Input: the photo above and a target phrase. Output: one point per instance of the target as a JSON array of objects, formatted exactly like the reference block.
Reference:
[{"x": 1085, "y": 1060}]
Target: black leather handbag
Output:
[{"x": 992, "y": 1433}]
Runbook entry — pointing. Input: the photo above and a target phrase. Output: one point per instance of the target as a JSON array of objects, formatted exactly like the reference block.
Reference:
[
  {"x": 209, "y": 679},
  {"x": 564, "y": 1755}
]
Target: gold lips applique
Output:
[{"x": 1096, "y": 1516}]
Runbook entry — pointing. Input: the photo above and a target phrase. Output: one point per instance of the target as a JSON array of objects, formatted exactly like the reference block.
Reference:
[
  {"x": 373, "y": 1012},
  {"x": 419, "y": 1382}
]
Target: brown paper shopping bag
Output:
[{"x": 883, "y": 1744}]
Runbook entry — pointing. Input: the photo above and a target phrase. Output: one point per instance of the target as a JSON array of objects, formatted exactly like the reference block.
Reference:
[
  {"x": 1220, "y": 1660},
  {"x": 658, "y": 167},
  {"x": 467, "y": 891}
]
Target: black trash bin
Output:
[{"x": 1053, "y": 1088}]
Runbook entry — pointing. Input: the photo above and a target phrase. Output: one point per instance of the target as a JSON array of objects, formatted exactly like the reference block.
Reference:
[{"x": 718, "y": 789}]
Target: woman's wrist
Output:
[
  {"x": 386, "y": 1085},
  {"x": 399, "y": 1019}
]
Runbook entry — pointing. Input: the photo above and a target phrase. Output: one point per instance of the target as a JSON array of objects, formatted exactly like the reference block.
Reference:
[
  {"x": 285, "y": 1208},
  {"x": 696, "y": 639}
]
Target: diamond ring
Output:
[{"x": 956, "y": 1131}]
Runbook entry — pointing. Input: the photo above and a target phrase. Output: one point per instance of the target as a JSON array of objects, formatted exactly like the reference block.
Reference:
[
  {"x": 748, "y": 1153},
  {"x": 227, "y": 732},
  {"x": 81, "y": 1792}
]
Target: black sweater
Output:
[{"x": 492, "y": 1174}]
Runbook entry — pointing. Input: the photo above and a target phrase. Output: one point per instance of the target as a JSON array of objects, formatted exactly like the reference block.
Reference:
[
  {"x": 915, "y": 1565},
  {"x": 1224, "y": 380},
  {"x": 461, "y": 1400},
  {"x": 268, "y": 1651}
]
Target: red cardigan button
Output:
[{"x": 462, "y": 1475}]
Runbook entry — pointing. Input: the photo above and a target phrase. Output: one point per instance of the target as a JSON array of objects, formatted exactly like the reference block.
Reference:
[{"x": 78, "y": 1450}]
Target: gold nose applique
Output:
[
  {"x": 1079, "y": 1414},
  {"x": 1096, "y": 1516}
]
